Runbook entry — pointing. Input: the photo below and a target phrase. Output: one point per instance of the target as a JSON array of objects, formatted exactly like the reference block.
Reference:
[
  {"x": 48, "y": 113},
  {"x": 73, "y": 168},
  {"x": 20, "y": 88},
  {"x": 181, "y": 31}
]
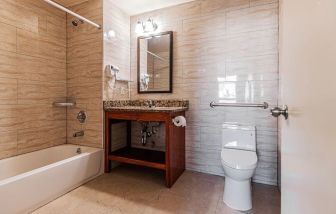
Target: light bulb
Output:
[
  {"x": 149, "y": 27},
  {"x": 111, "y": 34},
  {"x": 139, "y": 28}
]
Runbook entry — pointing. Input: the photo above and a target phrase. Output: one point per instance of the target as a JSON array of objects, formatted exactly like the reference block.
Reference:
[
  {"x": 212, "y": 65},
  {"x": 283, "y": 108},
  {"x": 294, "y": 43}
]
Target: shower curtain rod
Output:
[{"x": 72, "y": 13}]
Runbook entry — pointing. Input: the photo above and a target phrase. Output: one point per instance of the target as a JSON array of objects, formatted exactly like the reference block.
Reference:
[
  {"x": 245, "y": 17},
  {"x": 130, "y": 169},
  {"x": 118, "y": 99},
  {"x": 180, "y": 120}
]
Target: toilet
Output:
[{"x": 239, "y": 160}]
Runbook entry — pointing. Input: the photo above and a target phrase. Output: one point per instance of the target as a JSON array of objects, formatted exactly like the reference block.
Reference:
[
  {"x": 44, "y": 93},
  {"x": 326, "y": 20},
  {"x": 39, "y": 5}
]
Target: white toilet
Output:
[{"x": 239, "y": 160}]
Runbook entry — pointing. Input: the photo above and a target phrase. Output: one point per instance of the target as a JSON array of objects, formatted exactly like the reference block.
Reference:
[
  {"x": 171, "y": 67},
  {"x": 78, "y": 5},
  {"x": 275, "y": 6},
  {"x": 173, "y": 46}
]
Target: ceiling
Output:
[{"x": 133, "y": 7}]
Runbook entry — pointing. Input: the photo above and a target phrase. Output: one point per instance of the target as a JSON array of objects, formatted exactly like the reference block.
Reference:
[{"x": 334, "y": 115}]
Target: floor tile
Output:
[{"x": 136, "y": 190}]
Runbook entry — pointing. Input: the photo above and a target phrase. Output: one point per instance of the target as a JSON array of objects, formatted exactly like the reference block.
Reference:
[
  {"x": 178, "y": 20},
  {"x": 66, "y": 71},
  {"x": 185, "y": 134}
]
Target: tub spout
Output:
[{"x": 78, "y": 134}]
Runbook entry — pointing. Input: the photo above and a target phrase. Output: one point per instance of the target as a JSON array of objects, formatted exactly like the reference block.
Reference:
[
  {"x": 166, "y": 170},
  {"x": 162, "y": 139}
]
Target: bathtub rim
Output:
[{"x": 52, "y": 165}]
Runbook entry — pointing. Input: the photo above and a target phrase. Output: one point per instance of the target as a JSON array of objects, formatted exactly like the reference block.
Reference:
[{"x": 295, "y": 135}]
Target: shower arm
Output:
[{"x": 72, "y": 13}]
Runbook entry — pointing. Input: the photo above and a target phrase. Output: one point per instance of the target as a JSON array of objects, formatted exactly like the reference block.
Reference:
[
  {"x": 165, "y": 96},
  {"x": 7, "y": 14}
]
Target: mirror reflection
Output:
[{"x": 155, "y": 63}]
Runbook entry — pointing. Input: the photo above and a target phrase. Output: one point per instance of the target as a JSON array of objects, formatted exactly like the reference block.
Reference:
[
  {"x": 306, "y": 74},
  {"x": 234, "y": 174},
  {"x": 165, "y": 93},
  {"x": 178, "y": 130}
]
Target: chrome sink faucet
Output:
[{"x": 150, "y": 103}]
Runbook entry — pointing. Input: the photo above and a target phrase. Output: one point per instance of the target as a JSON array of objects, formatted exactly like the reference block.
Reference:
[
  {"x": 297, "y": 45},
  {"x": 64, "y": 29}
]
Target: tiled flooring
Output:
[{"x": 141, "y": 191}]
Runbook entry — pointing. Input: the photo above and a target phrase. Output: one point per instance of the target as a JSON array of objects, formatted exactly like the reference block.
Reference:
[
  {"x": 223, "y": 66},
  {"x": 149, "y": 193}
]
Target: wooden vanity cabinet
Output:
[{"x": 172, "y": 161}]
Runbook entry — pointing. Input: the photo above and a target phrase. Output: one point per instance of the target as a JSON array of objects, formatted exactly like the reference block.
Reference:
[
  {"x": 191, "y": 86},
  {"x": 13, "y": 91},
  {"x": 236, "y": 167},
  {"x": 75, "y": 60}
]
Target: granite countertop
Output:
[{"x": 142, "y": 105}]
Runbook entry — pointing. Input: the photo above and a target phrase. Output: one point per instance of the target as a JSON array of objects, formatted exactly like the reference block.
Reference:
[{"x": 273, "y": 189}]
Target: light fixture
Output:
[
  {"x": 148, "y": 27},
  {"x": 139, "y": 28},
  {"x": 110, "y": 35}
]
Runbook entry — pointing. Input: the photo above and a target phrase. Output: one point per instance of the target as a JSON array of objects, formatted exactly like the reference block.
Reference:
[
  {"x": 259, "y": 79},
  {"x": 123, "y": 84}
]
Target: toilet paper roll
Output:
[{"x": 180, "y": 121}]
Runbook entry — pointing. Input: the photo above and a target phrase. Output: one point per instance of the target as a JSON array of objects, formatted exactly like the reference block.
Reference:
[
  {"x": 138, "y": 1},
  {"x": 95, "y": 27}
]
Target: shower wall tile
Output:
[
  {"x": 8, "y": 66},
  {"x": 32, "y": 76},
  {"x": 69, "y": 3},
  {"x": 8, "y": 91},
  {"x": 260, "y": 2},
  {"x": 7, "y": 37},
  {"x": 40, "y": 70},
  {"x": 38, "y": 115},
  {"x": 9, "y": 118},
  {"x": 8, "y": 144},
  {"x": 15, "y": 13},
  {"x": 39, "y": 138},
  {"x": 224, "y": 50},
  {"x": 39, "y": 45},
  {"x": 84, "y": 74},
  {"x": 40, "y": 92}
]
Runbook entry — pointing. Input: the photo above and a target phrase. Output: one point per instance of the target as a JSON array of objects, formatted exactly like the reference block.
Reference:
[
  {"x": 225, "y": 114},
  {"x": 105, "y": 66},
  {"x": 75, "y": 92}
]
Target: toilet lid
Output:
[{"x": 239, "y": 159}]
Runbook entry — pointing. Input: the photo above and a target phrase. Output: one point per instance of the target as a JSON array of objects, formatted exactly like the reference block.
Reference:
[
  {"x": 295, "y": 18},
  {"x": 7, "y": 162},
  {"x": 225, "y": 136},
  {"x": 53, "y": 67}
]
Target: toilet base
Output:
[{"x": 237, "y": 194}]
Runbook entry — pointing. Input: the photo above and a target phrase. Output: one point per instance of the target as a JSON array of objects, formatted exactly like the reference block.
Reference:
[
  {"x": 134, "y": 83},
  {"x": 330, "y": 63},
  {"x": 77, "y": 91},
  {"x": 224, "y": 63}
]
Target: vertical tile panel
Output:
[
  {"x": 32, "y": 76},
  {"x": 84, "y": 79}
]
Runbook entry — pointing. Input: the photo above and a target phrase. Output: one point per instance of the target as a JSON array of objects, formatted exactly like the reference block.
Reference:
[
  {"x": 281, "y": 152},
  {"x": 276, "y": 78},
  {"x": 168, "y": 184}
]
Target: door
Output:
[{"x": 308, "y": 87}]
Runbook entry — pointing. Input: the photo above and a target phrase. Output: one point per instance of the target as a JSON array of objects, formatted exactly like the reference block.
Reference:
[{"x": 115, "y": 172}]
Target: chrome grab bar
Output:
[{"x": 252, "y": 105}]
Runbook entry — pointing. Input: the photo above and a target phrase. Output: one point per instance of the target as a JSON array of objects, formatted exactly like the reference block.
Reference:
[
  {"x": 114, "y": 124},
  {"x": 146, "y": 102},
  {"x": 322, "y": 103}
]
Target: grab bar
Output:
[{"x": 252, "y": 105}]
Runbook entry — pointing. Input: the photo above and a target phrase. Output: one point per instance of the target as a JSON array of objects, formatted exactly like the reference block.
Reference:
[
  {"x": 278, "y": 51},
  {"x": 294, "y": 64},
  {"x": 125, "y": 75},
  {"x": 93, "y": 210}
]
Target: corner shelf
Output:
[{"x": 64, "y": 104}]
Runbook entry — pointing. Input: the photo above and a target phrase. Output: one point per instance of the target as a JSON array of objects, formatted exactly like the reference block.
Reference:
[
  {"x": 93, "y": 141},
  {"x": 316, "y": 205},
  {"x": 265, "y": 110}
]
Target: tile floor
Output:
[{"x": 137, "y": 190}]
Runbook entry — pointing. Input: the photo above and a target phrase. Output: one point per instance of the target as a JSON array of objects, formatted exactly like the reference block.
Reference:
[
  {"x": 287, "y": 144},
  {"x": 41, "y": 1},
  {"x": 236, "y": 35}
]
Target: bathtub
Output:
[{"x": 31, "y": 180}]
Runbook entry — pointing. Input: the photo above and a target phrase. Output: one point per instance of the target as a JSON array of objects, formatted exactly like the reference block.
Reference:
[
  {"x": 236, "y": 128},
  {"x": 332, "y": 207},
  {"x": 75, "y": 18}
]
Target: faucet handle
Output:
[{"x": 150, "y": 103}]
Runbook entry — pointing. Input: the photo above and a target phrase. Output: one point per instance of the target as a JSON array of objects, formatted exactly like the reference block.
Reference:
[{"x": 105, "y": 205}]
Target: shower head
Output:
[{"x": 76, "y": 22}]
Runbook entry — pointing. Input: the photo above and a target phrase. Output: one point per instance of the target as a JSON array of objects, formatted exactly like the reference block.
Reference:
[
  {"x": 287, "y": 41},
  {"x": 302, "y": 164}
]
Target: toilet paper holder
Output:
[{"x": 179, "y": 121}]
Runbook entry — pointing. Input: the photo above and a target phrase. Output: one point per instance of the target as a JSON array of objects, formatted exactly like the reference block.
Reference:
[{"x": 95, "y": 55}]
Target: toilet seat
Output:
[{"x": 239, "y": 159}]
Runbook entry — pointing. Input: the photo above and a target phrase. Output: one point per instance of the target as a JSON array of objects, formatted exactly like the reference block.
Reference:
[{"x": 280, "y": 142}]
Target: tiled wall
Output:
[
  {"x": 224, "y": 50},
  {"x": 32, "y": 76},
  {"x": 84, "y": 74},
  {"x": 116, "y": 51}
]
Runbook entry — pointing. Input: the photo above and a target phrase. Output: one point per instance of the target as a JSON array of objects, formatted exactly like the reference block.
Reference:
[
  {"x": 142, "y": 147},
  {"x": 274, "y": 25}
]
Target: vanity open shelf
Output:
[
  {"x": 171, "y": 160},
  {"x": 142, "y": 157}
]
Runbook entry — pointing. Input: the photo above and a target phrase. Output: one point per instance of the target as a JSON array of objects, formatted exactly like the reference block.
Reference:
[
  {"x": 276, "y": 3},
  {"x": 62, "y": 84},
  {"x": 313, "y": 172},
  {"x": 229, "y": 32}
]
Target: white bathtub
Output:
[{"x": 31, "y": 180}]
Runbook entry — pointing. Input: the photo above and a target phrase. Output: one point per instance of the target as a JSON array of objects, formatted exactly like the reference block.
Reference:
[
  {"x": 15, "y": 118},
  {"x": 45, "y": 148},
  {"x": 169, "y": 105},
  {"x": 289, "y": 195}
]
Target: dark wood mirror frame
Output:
[{"x": 170, "y": 33}]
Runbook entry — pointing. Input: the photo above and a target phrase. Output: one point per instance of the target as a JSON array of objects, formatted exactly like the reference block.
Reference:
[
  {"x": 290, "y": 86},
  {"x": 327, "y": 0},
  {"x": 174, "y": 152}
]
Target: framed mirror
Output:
[{"x": 155, "y": 63}]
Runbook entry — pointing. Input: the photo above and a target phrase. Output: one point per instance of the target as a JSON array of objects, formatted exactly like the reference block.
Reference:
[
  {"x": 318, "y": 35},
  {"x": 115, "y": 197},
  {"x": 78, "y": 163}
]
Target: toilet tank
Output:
[{"x": 239, "y": 137}]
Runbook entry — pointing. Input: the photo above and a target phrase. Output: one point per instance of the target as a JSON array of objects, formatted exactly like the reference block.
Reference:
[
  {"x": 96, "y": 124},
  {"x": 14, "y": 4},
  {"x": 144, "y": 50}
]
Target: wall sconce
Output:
[
  {"x": 148, "y": 27},
  {"x": 110, "y": 35}
]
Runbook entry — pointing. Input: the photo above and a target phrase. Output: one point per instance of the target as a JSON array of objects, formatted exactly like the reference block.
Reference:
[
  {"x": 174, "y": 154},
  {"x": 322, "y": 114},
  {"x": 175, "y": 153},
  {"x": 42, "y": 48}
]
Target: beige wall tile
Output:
[
  {"x": 33, "y": 44},
  {"x": 40, "y": 92},
  {"x": 260, "y": 2},
  {"x": 69, "y": 3},
  {"x": 32, "y": 76},
  {"x": 38, "y": 69},
  {"x": 8, "y": 91},
  {"x": 8, "y": 65},
  {"x": 7, "y": 37},
  {"x": 15, "y": 14},
  {"x": 9, "y": 118},
  {"x": 85, "y": 75},
  {"x": 8, "y": 144},
  {"x": 39, "y": 138}
]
